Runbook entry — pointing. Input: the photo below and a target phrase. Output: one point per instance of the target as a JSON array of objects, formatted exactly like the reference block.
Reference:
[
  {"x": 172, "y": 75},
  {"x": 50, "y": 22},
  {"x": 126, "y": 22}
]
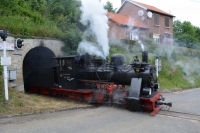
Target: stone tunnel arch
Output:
[
  {"x": 18, "y": 55},
  {"x": 39, "y": 56}
]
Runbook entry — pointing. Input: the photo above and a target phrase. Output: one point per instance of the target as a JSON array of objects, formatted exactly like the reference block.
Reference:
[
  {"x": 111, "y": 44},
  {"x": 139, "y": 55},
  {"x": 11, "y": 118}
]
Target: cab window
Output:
[
  {"x": 68, "y": 65},
  {"x": 65, "y": 65}
]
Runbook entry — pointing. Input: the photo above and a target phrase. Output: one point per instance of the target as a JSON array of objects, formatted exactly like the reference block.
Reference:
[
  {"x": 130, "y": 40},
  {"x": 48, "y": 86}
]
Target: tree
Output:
[
  {"x": 67, "y": 14},
  {"x": 186, "y": 40},
  {"x": 188, "y": 28},
  {"x": 185, "y": 34},
  {"x": 177, "y": 28},
  {"x": 198, "y": 33},
  {"x": 109, "y": 7}
]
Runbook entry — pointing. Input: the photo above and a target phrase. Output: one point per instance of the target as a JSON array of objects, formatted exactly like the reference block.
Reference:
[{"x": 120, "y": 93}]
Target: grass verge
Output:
[{"x": 21, "y": 103}]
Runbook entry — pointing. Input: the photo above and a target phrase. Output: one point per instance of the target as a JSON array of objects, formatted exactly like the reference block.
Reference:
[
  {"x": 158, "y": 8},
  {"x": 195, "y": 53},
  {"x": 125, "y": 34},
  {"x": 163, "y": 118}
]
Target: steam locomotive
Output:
[{"x": 95, "y": 80}]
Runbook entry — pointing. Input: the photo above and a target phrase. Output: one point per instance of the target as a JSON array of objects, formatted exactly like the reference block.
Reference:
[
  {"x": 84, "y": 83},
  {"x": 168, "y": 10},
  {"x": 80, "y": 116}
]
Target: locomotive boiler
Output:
[{"x": 87, "y": 78}]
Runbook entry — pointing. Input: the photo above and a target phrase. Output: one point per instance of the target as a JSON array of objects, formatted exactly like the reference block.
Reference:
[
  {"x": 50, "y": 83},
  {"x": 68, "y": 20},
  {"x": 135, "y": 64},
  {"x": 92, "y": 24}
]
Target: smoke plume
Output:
[
  {"x": 134, "y": 36},
  {"x": 94, "y": 16},
  {"x": 134, "y": 32}
]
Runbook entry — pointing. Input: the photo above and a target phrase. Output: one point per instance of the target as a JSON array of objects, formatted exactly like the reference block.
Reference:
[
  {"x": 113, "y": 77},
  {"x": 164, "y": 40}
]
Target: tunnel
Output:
[{"x": 38, "y": 57}]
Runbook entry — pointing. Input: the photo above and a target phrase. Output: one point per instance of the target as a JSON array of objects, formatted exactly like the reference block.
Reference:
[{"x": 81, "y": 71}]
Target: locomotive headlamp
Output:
[{"x": 137, "y": 70}]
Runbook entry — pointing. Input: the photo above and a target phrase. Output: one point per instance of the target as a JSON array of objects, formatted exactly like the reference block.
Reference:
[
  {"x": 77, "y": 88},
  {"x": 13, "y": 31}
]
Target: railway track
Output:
[{"x": 182, "y": 115}]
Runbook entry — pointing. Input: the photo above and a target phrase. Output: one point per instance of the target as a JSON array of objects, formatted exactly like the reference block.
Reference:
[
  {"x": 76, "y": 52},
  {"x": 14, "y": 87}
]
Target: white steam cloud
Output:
[
  {"x": 94, "y": 15},
  {"x": 187, "y": 70},
  {"x": 134, "y": 32},
  {"x": 191, "y": 72},
  {"x": 134, "y": 36}
]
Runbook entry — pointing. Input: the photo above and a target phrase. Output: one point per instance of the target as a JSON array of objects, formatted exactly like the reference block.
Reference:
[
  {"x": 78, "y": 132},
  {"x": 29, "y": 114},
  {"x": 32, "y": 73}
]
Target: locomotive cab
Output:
[{"x": 64, "y": 72}]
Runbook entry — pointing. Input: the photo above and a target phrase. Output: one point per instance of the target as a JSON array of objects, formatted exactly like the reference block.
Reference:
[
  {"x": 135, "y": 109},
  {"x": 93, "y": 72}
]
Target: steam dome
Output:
[{"x": 117, "y": 60}]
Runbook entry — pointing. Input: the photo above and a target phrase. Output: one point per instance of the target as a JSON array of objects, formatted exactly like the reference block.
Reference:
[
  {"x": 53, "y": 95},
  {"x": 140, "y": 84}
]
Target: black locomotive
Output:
[{"x": 96, "y": 80}]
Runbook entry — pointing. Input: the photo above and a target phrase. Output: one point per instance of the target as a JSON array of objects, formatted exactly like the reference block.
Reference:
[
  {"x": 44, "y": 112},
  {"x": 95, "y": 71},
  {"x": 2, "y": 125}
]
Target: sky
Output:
[{"x": 184, "y": 10}]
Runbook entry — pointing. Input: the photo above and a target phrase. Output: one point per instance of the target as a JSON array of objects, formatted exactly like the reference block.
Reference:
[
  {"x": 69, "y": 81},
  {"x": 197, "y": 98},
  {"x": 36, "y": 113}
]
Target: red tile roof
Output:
[
  {"x": 152, "y": 8},
  {"x": 125, "y": 20}
]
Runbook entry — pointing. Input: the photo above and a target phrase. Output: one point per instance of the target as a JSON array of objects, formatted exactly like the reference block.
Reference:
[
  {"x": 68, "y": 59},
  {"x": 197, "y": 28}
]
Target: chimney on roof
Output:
[{"x": 122, "y": 1}]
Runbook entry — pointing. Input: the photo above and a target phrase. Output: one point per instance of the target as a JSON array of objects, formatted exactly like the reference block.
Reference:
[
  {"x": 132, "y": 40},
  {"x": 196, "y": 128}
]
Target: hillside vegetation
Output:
[
  {"x": 43, "y": 18},
  {"x": 180, "y": 66}
]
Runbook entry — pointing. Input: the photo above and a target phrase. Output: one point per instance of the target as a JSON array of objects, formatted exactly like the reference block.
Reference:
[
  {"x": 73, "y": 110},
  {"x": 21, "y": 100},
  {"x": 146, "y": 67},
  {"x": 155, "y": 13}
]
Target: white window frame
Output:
[{"x": 156, "y": 38}]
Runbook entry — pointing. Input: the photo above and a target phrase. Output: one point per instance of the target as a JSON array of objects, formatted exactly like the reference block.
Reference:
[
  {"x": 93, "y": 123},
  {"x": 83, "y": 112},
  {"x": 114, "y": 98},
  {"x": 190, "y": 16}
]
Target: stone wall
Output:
[{"x": 17, "y": 56}]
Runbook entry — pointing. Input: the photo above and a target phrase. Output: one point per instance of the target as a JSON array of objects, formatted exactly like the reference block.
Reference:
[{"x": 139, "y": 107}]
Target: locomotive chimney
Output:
[{"x": 145, "y": 56}]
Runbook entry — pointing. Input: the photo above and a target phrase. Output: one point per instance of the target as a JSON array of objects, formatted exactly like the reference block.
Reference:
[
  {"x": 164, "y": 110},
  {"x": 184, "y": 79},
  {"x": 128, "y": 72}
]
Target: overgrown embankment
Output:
[{"x": 43, "y": 18}]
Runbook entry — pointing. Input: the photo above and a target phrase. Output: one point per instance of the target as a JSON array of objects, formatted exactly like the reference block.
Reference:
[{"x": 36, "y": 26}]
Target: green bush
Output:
[{"x": 149, "y": 41}]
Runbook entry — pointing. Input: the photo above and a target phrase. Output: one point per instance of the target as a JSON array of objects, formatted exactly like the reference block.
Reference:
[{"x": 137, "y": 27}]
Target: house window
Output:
[
  {"x": 156, "y": 19},
  {"x": 136, "y": 36},
  {"x": 166, "y": 35},
  {"x": 167, "y": 40},
  {"x": 133, "y": 36},
  {"x": 166, "y": 21},
  {"x": 156, "y": 38}
]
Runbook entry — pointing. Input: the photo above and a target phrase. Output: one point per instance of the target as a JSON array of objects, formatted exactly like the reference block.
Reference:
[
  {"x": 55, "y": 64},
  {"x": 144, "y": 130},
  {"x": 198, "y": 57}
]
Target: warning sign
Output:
[
  {"x": 6, "y": 61},
  {"x": 9, "y": 46}
]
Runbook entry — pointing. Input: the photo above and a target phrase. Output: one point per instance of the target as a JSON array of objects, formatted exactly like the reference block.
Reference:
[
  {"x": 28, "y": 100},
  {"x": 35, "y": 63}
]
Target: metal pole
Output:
[
  {"x": 5, "y": 72},
  {"x": 156, "y": 64},
  {"x": 157, "y": 67},
  {"x": 3, "y": 34}
]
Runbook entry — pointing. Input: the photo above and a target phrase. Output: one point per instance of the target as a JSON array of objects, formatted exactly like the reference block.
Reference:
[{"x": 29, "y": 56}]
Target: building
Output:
[
  {"x": 135, "y": 18},
  {"x": 125, "y": 27}
]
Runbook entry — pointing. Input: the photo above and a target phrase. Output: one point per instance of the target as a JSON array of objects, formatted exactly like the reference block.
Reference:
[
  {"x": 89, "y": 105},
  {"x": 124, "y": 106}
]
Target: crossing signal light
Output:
[{"x": 19, "y": 43}]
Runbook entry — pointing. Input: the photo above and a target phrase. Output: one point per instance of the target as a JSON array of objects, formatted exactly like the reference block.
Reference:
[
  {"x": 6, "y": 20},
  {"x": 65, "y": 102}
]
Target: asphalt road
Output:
[{"x": 183, "y": 117}]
